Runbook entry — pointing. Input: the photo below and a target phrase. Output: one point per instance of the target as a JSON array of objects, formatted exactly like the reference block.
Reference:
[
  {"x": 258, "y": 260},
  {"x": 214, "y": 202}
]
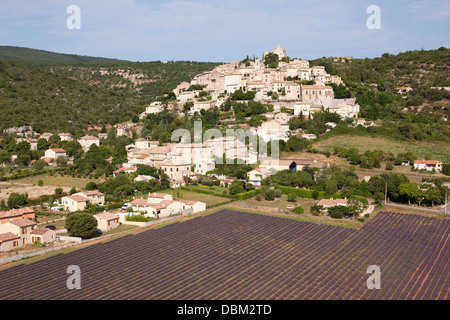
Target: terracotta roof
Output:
[
  {"x": 157, "y": 195},
  {"x": 188, "y": 202},
  {"x": 262, "y": 170},
  {"x": 88, "y": 138},
  {"x": 58, "y": 150},
  {"x": 106, "y": 216},
  {"x": 24, "y": 222},
  {"x": 40, "y": 231},
  {"x": 8, "y": 236},
  {"x": 140, "y": 202},
  {"x": 93, "y": 192},
  {"x": 426, "y": 162},
  {"x": 77, "y": 198},
  {"x": 16, "y": 212}
]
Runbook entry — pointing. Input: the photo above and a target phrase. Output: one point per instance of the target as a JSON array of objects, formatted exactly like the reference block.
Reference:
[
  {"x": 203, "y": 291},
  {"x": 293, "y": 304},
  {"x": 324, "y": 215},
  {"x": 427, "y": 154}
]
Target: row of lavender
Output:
[{"x": 235, "y": 255}]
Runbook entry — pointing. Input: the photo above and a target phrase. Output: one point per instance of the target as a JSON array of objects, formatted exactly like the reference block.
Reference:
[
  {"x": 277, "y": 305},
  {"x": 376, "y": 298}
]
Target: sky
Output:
[{"x": 224, "y": 30}]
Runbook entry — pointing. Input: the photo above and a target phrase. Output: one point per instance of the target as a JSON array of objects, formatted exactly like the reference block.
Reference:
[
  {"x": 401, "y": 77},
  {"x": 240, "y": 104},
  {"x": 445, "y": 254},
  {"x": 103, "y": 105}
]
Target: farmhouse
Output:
[
  {"x": 87, "y": 141},
  {"x": 9, "y": 241},
  {"x": 328, "y": 203},
  {"x": 42, "y": 235},
  {"x": 15, "y": 214},
  {"x": 65, "y": 136},
  {"x": 256, "y": 175},
  {"x": 55, "y": 153},
  {"x": 94, "y": 196},
  {"x": 74, "y": 202},
  {"x": 428, "y": 165},
  {"x": 106, "y": 221},
  {"x": 20, "y": 227}
]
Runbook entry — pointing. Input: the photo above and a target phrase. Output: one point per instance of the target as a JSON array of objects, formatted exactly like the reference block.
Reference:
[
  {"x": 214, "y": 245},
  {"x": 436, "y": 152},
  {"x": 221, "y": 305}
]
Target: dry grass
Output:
[{"x": 434, "y": 150}]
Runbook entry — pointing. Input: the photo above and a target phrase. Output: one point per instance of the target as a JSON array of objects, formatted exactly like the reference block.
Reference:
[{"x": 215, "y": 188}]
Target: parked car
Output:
[
  {"x": 126, "y": 206},
  {"x": 51, "y": 227}
]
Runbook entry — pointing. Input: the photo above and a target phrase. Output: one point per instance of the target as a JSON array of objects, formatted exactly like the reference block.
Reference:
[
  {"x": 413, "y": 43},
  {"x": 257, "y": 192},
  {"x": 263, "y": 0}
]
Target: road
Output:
[{"x": 413, "y": 208}]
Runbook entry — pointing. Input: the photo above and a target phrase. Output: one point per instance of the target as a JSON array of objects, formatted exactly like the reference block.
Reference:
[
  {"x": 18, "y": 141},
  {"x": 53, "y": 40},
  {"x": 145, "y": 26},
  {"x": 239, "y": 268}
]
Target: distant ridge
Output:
[{"x": 9, "y": 53}]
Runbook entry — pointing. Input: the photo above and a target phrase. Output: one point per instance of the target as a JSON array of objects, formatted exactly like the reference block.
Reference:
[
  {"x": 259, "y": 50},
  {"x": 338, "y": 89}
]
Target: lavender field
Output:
[{"x": 240, "y": 255}]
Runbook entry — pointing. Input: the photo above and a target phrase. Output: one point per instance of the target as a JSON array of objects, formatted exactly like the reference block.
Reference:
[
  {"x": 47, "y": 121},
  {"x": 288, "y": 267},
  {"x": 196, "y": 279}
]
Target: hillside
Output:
[
  {"x": 34, "y": 56},
  {"x": 69, "y": 97},
  {"x": 411, "y": 68}
]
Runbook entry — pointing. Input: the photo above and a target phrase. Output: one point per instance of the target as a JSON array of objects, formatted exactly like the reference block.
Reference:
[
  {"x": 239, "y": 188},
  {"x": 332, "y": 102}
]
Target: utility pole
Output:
[
  {"x": 445, "y": 205},
  {"x": 385, "y": 195}
]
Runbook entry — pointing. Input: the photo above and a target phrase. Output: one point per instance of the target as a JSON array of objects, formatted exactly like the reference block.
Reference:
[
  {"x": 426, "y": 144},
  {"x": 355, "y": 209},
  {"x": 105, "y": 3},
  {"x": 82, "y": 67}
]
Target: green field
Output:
[
  {"x": 57, "y": 181},
  {"x": 210, "y": 200},
  {"x": 216, "y": 189},
  {"x": 432, "y": 150}
]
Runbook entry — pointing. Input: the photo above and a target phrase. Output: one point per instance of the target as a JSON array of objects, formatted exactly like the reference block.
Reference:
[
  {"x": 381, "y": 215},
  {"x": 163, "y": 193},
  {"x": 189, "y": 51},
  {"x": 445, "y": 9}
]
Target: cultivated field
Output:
[
  {"x": 210, "y": 200},
  {"x": 434, "y": 150},
  {"x": 240, "y": 255},
  {"x": 30, "y": 185}
]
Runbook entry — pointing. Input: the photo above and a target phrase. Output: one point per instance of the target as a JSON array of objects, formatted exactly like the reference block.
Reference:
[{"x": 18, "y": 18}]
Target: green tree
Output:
[
  {"x": 236, "y": 187},
  {"x": 81, "y": 225},
  {"x": 39, "y": 164},
  {"x": 410, "y": 190},
  {"x": 432, "y": 194},
  {"x": 58, "y": 191},
  {"x": 337, "y": 212},
  {"x": 16, "y": 200},
  {"x": 90, "y": 186}
]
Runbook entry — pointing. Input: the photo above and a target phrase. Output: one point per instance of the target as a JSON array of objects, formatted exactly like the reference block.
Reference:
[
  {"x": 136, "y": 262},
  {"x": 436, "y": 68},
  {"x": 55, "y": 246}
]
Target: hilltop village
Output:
[{"x": 255, "y": 116}]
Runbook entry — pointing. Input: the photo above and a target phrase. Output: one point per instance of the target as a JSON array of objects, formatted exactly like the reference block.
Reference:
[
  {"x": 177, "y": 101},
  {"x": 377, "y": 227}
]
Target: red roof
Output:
[
  {"x": 59, "y": 150},
  {"x": 77, "y": 198},
  {"x": 24, "y": 222},
  {"x": 8, "y": 236},
  {"x": 40, "y": 231},
  {"x": 188, "y": 202},
  {"x": 435, "y": 162},
  {"x": 16, "y": 212}
]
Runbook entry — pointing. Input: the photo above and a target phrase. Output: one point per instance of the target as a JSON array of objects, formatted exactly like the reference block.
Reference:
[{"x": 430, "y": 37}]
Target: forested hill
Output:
[
  {"x": 67, "y": 97},
  {"x": 418, "y": 68},
  {"x": 35, "y": 56}
]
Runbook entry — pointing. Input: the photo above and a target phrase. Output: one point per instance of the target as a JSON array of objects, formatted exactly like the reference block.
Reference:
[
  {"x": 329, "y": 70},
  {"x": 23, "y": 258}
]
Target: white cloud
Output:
[{"x": 430, "y": 9}]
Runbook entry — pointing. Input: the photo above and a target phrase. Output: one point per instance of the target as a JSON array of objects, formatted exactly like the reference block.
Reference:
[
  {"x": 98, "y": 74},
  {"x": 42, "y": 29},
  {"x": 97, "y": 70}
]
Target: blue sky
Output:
[{"x": 226, "y": 30}]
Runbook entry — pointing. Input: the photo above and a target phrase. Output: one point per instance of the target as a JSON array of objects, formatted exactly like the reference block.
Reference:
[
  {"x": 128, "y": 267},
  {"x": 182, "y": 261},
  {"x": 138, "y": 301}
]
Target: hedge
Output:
[
  {"x": 139, "y": 218},
  {"x": 302, "y": 193},
  {"x": 248, "y": 194},
  {"x": 213, "y": 193}
]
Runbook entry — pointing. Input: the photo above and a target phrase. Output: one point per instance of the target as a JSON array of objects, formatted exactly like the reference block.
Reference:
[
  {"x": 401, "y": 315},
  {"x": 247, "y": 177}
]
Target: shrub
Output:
[
  {"x": 292, "y": 197},
  {"x": 258, "y": 197},
  {"x": 269, "y": 195},
  {"x": 139, "y": 218},
  {"x": 277, "y": 193},
  {"x": 315, "y": 194},
  {"x": 40, "y": 183},
  {"x": 299, "y": 210},
  {"x": 58, "y": 191},
  {"x": 91, "y": 186},
  {"x": 389, "y": 166}
]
